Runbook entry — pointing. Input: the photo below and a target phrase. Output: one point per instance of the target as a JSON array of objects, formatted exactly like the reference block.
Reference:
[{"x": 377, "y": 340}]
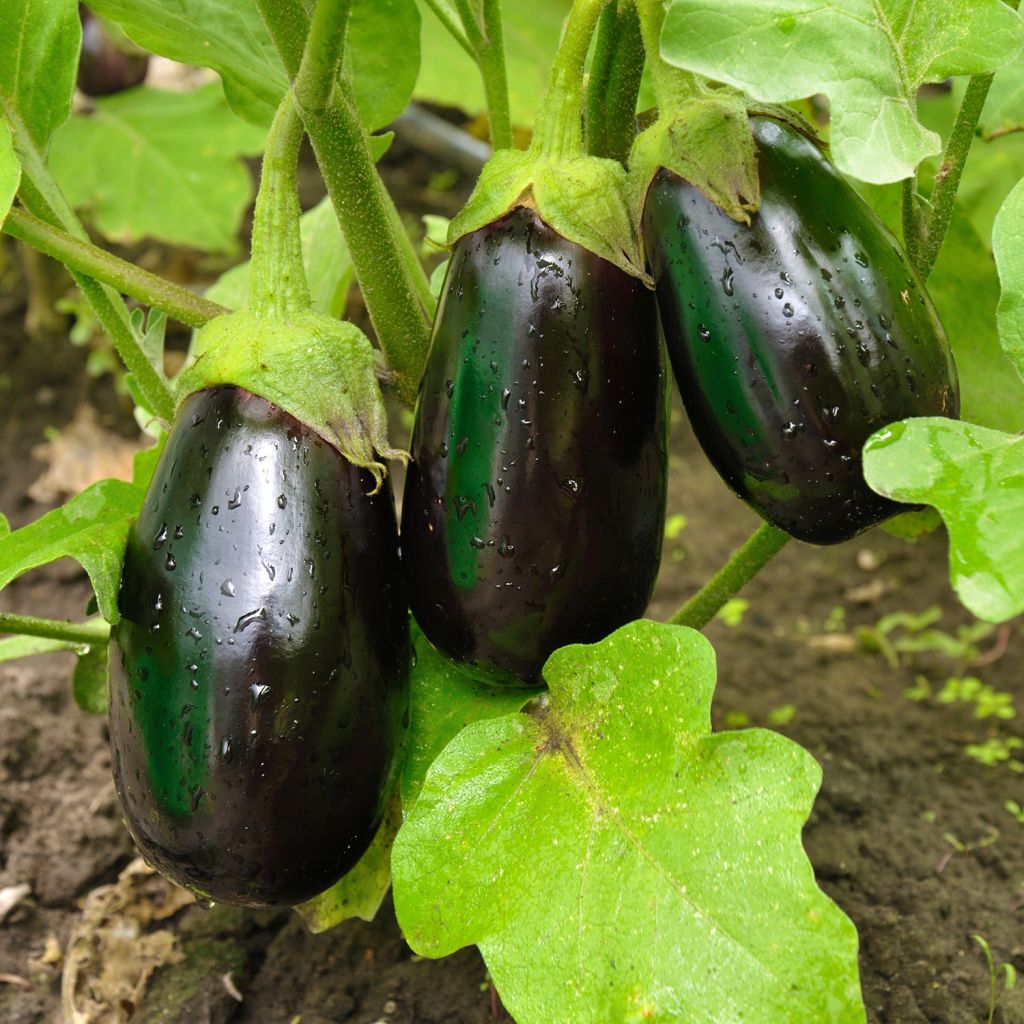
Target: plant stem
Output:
[
  {"x": 911, "y": 222},
  {"x": 557, "y": 131},
  {"x": 390, "y": 276},
  {"x": 96, "y": 631},
  {"x": 744, "y": 563},
  {"x": 954, "y": 156},
  {"x": 947, "y": 179},
  {"x": 614, "y": 83},
  {"x": 672, "y": 85},
  {"x": 126, "y": 278},
  {"x": 42, "y": 196},
  {"x": 451, "y": 22},
  {"x": 491, "y": 59},
  {"x": 278, "y": 283}
]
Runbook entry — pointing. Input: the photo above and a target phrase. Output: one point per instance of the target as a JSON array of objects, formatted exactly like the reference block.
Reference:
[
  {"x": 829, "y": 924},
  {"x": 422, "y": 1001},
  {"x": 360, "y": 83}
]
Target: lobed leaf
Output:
[
  {"x": 38, "y": 63},
  {"x": 163, "y": 165},
  {"x": 443, "y": 700},
  {"x": 974, "y": 477},
  {"x": 229, "y": 36},
  {"x": 10, "y": 171},
  {"x": 614, "y": 860},
  {"x": 91, "y": 528},
  {"x": 868, "y": 56}
]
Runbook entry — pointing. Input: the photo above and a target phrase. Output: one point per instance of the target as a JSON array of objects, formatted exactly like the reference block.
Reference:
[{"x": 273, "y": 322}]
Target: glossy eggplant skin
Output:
[
  {"x": 793, "y": 339},
  {"x": 534, "y": 504},
  {"x": 259, "y": 675}
]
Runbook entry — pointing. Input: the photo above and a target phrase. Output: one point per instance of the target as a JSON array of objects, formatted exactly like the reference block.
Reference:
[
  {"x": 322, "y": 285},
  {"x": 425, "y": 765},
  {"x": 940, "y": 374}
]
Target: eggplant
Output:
[
  {"x": 259, "y": 672},
  {"x": 795, "y": 338},
  {"x": 106, "y": 65},
  {"x": 534, "y": 503}
]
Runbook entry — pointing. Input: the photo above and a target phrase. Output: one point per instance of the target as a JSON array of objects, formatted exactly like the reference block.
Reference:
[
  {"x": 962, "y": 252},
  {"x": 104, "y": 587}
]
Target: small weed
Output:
[
  {"x": 911, "y": 633},
  {"x": 997, "y": 750},
  {"x": 736, "y": 719},
  {"x": 782, "y": 715},
  {"x": 836, "y": 621},
  {"x": 971, "y": 690},
  {"x": 965, "y": 848},
  {"x": 674, "y": 526},
  {"x": 732, "y": 612},
  {"x": 1009, "y": 976},
  {"x": 1015, "y": 810}
]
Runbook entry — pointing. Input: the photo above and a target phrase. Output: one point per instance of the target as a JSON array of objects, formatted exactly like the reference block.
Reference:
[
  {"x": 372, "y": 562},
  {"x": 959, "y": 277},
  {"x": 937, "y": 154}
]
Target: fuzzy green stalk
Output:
[
  {"x": 614, "y": 82},
  {"x": 100, "y": 265},
  {"x": 743, "y": 565},
  {"x": 557, "y": 133},
  {"x": 96, "y": 631}
]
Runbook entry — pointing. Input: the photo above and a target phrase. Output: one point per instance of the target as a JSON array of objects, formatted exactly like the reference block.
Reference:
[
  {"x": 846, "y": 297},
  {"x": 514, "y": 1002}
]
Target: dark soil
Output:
[{"x": 910, "y": 835}]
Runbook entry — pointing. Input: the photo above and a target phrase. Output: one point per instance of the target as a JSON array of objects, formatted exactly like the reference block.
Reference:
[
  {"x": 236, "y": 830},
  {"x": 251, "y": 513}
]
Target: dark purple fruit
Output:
[{"x": 259, "y": 673}]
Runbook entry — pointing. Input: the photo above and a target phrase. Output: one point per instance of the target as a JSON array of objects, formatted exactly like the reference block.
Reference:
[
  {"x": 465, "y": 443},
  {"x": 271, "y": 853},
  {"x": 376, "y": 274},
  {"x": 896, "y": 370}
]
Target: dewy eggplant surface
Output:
[
  {"x": 259, "y": 673},
  {"x": 534, "y": 503},
  {"x": 793, "y": 339}
]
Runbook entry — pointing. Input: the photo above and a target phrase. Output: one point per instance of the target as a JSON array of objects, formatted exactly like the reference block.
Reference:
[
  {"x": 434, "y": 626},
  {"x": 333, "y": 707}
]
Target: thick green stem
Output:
[
  {"x": 614, "y": 83},
  {"x": 557, "y": 133},
  {"x": 947, "y": 179},
  {"x": 42, "y": 197},
  {"x": 278, "y": 283},
  {"x": 910, "y": 220},
  {"x": 491, "y": 59},
  {"x": 96, "y": 631},
  {"x": 744, "y": 563},
  {"x": 672, "y": 86},
  {"x": 126, "y": 278},
  {"x": 387, "y": 268}
]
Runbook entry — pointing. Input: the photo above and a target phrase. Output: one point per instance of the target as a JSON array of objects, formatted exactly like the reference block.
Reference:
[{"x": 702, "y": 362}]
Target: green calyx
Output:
[
  {"x": 706, "y": 140},
  {"x": 582, "y": 197},
  {"x": 318, "y": 369}
]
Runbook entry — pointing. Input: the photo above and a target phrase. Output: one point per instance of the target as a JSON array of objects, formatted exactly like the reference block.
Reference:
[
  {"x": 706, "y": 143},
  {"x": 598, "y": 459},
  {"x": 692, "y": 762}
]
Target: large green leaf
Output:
[
  {"x": 39, "y": 44},
  {"x": 382, "y": 49},
  {"x": 867, "y": 56},
  {"x": 449, "y": 76},
  {"x": 442, "y": 701},
  {"x": 164, "y": 165},
  {"x": 975, "y": 478},
  {"x": 91, "y": 528},
  {"x": 10, "y": 171},
  {"x": 615, "y": 861},
  {"x": 1008, "y": 246}
]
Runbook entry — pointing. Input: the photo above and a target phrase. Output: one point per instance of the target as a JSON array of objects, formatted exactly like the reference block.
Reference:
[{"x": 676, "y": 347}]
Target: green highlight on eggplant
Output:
[
  {"x": 794, "y": 338},
  {"x": 259, "y": 675},
  {"x": 534, "y": 503}
]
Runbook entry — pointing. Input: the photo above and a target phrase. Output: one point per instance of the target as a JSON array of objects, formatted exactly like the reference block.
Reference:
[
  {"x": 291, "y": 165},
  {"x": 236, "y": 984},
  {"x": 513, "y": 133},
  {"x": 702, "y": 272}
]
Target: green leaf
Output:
[
  {"x": 867, "y": 56},
  {"x": 89, "y": 681},
  {"x": 326, "y": 258},
  {"x": 1008, "y": 246},
  {"x": 14, "y": 647},
  {"x": 91, "y": 528},
  {"x": 5, "y": 526},
  {"x": 163, "y": 165},
  {"x": 532, "y": 29},
  {"x": 361, "y": 892},
  {"x": 615, "y": 861},
  {"x": 38, "y": 63},
  {"x": 443, "y": 700},
  {"x": 10, "y": 171},
  {"x": 381, "y": 50},
  {"x": 975, "y": 478},
  {"x": 1004, "y": 105}
]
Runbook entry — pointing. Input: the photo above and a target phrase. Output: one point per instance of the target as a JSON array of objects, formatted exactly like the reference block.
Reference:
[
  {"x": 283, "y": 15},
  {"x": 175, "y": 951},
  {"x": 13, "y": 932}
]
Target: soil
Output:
[{"x": 910, "y": 835}]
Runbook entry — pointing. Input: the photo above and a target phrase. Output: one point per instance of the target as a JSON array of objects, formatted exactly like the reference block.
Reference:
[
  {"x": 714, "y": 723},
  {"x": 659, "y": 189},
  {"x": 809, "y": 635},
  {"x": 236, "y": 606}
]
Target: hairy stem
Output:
[
  {"x": 743, "y": 565},
  {"x": 389, "y": 273},
  {"x": 95, "y": 631},
  {"x": 557, "y": 132},
  {"x": 278, "y": 283},
  {"x": 672, "y": 85},
  {"x": 614, "y": 82},
  {"x": 42, "y": 197},
  {"x": 491, "y": 59},
  {"x": 126, "y": 278},
  {"x": 452, "y": 22}
]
